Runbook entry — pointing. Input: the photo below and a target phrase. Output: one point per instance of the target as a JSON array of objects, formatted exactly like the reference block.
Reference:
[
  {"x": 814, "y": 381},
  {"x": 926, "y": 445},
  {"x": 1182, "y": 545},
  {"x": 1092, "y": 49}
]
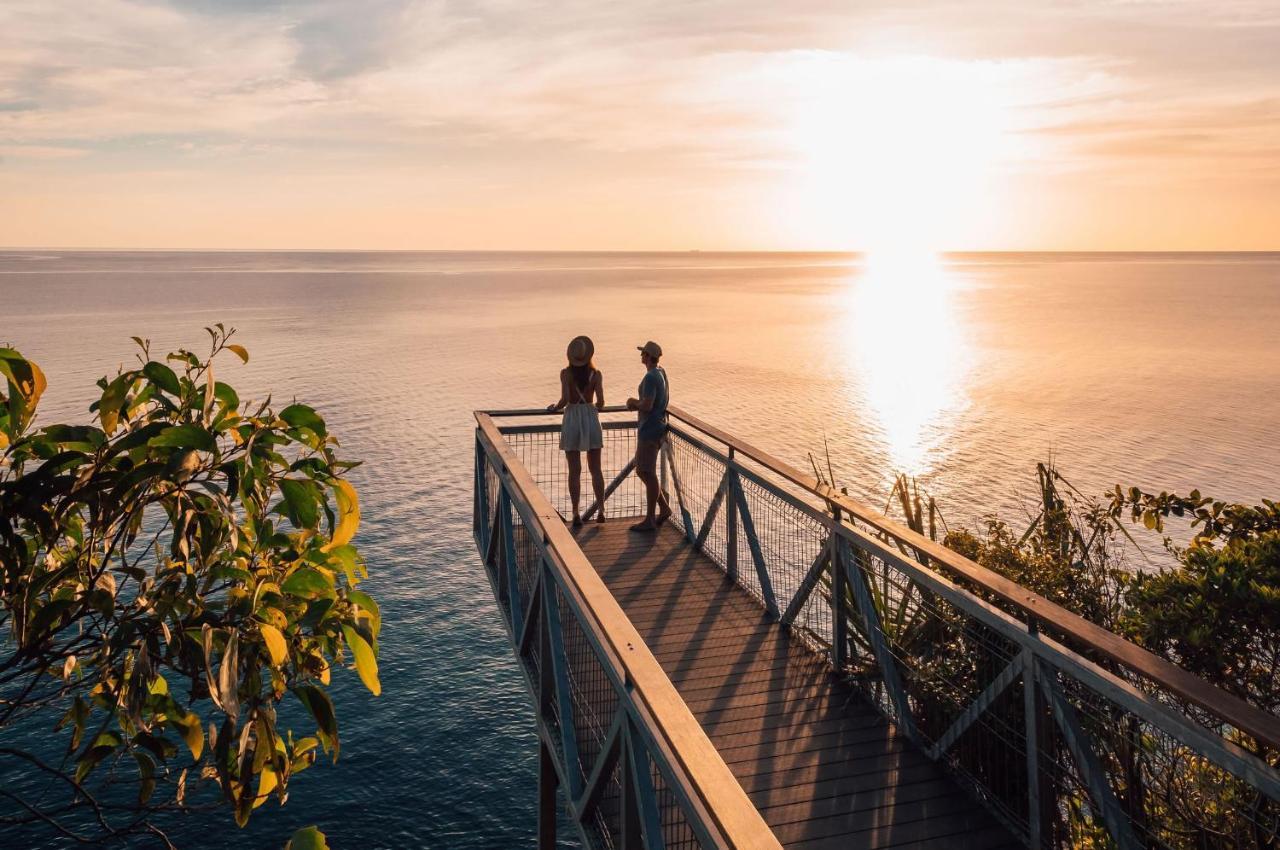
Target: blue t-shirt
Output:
[{"x": 654, "y": 385}]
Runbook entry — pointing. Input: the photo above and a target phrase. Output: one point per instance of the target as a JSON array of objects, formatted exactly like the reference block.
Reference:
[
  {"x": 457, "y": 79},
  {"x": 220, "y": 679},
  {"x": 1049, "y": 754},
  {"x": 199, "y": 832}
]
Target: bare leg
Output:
[
  {"x": 647, "y": 471},
  {"x": 574, "y": 460},
  {"x": 657, "y": 501},
  {"x": 597, "y": 481}
]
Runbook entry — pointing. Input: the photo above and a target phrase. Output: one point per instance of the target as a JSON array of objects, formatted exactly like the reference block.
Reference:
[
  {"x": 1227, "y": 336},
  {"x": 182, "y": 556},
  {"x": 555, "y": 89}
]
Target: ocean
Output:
[{"x": 962, "y": 370}]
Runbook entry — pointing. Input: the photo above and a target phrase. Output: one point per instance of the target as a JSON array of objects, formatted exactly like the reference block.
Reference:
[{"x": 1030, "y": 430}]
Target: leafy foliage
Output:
[
  {"x": 169, "y": 575},
  {"x": 1214, "y": 609},
  {"x": 1218, "y": 614}
]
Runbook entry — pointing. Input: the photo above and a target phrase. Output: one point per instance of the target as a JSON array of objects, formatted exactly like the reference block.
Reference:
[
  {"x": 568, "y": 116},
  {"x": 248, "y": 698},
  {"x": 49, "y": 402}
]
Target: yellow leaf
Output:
[
  {"x": 322, "y": 665},
  {"x": 239, "y": 351},
  {"x": 276, "y": 646},
  {"x": 366, "y": 661},
  {"x": 193, "y": 734},
  {"x": 112, "y": 400},
  {"x": 348, "y": 514},
  {"x": 266, "y": 782}
]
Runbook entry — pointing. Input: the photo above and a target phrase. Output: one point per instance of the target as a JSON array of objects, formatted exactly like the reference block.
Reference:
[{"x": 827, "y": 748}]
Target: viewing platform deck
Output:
[
  {"x": 780, "y": 666},
  {"x": 824, "y": 768}
]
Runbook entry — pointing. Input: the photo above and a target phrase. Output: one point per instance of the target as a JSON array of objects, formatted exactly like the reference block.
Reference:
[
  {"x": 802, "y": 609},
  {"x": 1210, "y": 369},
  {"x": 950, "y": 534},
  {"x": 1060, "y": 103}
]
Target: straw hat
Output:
[{"x": 580, "y": 350}]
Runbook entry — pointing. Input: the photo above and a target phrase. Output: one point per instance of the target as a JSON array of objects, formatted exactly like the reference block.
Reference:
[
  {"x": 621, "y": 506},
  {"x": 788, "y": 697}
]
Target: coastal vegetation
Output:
[
  {"x": 1212, "y": 607},
  {"x": 178, "y": 583}
]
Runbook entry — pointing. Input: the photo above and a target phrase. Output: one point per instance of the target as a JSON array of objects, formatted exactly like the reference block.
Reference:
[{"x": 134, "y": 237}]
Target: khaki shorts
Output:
[{"x": 647, "y": 457}]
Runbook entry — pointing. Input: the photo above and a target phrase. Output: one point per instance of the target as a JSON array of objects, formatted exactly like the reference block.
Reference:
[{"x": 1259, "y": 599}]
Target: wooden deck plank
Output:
[{"x": 822, "y": 765}]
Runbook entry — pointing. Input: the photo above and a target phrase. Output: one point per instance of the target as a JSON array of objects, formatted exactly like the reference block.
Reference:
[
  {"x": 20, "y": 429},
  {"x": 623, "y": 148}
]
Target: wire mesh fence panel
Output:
[
  {"x": 677, "y": 832},
  {"x": 538, "y": 448},
  {"x": 592, "y": 695},
  {"x": 701, "y": 478},
  {"x": 1169, "y": 794},
  {"x": 790, "y": 543}
]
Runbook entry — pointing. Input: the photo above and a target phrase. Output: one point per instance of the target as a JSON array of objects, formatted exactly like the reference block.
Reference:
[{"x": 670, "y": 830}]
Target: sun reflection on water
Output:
[{"x": 908, "y": 353}]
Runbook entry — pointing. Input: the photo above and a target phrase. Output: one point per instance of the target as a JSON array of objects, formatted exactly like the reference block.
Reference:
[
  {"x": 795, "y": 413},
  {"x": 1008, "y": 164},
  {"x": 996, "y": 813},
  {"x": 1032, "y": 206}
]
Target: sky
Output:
[{"x": 641, "y": 125}]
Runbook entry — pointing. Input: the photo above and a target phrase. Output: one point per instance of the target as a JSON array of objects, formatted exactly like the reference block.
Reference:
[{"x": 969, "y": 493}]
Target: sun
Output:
[{"x": 894, "y": 153}]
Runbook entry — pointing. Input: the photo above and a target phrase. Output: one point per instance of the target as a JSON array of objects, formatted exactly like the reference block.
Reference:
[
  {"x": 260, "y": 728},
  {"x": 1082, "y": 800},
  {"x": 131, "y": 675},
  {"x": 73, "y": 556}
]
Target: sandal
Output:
[{"x": 643, "y": 526}]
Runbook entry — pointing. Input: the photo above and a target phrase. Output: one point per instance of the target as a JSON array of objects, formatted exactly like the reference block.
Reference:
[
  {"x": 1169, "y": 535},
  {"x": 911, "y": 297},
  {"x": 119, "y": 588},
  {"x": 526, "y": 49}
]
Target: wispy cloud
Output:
[{"x": 1157, "y": 88}]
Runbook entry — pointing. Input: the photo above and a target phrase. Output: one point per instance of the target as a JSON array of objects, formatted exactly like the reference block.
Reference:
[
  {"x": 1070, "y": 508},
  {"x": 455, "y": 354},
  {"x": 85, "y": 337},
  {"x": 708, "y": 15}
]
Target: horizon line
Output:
[{"x": 779, "y": 251}]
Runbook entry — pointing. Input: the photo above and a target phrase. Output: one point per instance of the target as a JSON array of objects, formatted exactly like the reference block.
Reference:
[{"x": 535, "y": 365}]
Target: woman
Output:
[{"x": 580, "y": 382}]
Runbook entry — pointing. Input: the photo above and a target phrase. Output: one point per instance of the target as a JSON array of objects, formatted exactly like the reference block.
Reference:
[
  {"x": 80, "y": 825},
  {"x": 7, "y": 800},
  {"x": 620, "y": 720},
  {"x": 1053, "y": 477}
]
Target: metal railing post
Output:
[
  {"x": 1031, "y": 724},
  {"x": 662, "y": 466},
  {"x": 482, "y": 497},
  {"x": 731, "y": 521},
  {"x": 879, "y": 640},
  {"x": 548, "y": 783},
  {"x": 839, "y": 626}
]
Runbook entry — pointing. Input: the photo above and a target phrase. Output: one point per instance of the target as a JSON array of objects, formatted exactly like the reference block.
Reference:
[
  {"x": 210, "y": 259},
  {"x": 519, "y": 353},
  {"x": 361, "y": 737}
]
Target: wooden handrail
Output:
[
  {"x": 716, "y": 788},
  {"x": 542, "y": 411},
  {"x": 1253, "y": 721}
]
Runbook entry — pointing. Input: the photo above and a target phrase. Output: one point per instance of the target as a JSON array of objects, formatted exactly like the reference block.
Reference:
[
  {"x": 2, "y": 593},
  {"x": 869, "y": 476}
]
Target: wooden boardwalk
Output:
[{"x": 821, "y": 764}]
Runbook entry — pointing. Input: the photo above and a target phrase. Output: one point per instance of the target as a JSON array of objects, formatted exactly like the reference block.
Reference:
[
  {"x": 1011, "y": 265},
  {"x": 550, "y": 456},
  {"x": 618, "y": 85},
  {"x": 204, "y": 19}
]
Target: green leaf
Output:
[
  {"x": 301, "y": 416},
  {"x": 301, "y": 501},
  {"x": 47, "y": 617},
  {"x": 185, "y": 437},
  {"x": 226, "y": 395},
  {"x": 369, "y": 607},
  {"x": 162, "y": 376},
  {"x": 84, "y": 438},
  {"x": 307, "y": 838},
  {"x": 366, "y": 661},
  {"x": 103, "y": 745},
  {"x": 308, "y": 582},
  {"x": 103, "y": 601},
  {"x": 320, "y": 706},
  {"x": 146, "y": 776},
  {"x": 112, "y": 400},
  {"x": 76, "y": 715},
  {"x": 348, "y": 559},
  {"x": 26, "y": 383}
]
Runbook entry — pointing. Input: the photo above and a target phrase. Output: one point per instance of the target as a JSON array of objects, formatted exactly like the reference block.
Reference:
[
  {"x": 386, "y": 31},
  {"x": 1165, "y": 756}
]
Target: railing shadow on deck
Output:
[{"x": 1071, "y": 735}]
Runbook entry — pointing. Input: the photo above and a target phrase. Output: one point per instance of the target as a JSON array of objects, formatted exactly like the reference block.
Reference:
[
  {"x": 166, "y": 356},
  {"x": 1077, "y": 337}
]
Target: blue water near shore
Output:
[{"x": 1157, "y": 370}]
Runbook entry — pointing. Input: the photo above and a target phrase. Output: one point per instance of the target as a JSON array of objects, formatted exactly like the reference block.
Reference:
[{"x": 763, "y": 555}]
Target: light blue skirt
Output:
[{"x": 580, "y": 431}]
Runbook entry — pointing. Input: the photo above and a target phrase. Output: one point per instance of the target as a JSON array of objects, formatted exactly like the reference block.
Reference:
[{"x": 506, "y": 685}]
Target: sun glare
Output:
[
  {"x": 907, "y": 353},
  {"x": 894, "y": 153}
]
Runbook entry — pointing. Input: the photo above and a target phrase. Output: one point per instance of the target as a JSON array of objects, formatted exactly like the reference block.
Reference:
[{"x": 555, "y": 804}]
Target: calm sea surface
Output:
[{"x": 1155, "y": 370}]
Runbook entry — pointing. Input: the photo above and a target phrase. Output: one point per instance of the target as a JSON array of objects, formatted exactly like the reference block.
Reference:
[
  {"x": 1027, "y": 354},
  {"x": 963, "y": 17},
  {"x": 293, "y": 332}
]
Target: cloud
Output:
[
  {"x": 652, "y": 90},
  {"x": 654, "y": 76},
  {"x": 41, "y": 152}
]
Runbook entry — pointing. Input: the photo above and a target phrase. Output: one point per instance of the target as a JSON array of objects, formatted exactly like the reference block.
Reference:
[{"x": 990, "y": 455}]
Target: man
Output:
[{"x": 652, "y": 409}]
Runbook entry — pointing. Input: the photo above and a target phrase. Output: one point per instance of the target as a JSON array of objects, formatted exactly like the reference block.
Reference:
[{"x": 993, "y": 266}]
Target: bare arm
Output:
[
  {"x": 644, "y": 404},
  {"x": 599, "y": 390},
  {"x": 564, "y": 393}
]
